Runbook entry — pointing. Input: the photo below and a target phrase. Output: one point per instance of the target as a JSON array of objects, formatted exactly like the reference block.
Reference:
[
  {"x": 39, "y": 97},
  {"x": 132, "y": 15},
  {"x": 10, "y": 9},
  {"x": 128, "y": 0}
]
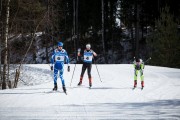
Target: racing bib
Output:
[
  {"x": 88, "y": 58},
  {"x": 59, "y": 58}
]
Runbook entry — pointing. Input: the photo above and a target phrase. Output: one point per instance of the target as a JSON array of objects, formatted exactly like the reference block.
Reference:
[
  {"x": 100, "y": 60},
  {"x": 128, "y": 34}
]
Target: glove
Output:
[
  {"x": 51, "y": 67},
  {"x": 79, "y": 49},
  {"x": 68, "y": 69}
]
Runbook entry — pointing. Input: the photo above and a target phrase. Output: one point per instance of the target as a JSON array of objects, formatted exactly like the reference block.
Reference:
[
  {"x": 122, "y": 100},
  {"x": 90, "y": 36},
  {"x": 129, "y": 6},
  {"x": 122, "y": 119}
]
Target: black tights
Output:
[{"x": 88, "y": 66}]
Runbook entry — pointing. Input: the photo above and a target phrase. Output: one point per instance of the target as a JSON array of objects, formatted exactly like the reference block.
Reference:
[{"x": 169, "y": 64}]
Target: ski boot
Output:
[
  {"x": 142, "y": 84},
  {"x": 90, "y": 85},
  {"x": 64, "y": 89},
  {"x": 55, "y": 87},
  {"x": 135, "y": 84},
  {"x": 90, "y": 82},
  {"x": 80, "y": 83}
]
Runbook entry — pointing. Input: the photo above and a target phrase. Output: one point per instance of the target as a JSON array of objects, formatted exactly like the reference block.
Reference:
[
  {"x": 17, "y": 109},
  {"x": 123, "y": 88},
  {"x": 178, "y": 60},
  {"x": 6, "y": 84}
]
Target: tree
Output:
[
  {"x": 165, "y": 40},
  {"x": 6, "y": 46}
]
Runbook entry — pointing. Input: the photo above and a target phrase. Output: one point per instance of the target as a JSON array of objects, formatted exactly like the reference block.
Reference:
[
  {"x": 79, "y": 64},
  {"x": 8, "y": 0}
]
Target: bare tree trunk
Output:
[
  {"x": 6, "y": 52},
  {"x": 74, "y": 27},
  {"x": 9, "y": 81},
  {"x": 102, "y": 2},
  {"x": 1, "y": 43},
  {"x": 47, "y": 32},
  {"x": 77, "y": 23},
  {"x": 137, "y": 30}
]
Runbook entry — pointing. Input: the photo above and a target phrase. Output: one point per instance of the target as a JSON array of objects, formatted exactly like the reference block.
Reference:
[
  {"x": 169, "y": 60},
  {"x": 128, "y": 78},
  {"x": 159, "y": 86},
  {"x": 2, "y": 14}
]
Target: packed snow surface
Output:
[{"x": 113, "y": 98}]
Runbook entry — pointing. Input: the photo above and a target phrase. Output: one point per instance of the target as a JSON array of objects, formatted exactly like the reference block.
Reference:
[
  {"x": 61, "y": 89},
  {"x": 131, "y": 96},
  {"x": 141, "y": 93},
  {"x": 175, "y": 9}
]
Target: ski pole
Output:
[
  {"x": 98, "y": 72},
  {"x": 75, "y": 66},
  {"x": 148, "y": 59},
  {"x": 73, "y": 74}
]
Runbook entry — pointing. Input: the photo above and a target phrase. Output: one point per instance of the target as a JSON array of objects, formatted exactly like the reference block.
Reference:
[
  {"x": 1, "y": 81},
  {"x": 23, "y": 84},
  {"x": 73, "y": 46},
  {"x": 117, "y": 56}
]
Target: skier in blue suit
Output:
[{"x": 58, "y": 58}]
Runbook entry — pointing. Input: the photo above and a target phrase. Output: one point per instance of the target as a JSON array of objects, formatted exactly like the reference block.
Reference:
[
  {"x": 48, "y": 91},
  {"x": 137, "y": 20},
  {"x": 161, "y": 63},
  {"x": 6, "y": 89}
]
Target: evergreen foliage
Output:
[
  {"x": 56, "y": 22},
  {"x": 166, "y": 41}
]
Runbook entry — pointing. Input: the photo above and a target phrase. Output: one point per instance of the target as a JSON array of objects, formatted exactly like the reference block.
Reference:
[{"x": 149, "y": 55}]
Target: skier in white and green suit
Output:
[{"x": 138, "y": 67}]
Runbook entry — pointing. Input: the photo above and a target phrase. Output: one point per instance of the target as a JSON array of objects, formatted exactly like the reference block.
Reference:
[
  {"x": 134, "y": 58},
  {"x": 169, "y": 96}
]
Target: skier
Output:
[
  {"x": 87, "y": 63},
  {"x": 138, "y": 67},
  {"x": 58, "y": 58}
]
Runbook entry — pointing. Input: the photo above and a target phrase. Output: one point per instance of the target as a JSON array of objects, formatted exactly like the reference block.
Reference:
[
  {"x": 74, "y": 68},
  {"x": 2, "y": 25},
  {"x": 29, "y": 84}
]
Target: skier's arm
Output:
[
  {"x": 79, "y": 55},
  {"x": 142, "y": 65},
  {"x": 52, "y": 60},
  {"x": 94, "y": 54},
  {"x": 79, "y": 52},
  {"x": 67, "y": 61},
  {"x": 134, "y": 64},
  {"x": 66, "y": 57}
]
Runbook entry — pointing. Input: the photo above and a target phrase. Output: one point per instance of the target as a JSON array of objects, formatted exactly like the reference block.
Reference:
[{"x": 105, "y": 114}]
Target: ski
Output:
[
  {"x": 82, "y": 86},
  {"x": 65, "y": 93},
  {"x": 133, "y": 88},
  {"x": 64, "y": 90},
  {"x": 52, "y": 91},
  {"x": 136, "y": 88},
  {"x": 56, "y": 91}
]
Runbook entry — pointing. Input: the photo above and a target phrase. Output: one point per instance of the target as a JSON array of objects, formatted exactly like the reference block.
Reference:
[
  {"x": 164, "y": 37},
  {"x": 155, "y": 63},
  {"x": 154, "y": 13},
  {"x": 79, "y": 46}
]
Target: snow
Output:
[
  {"x": 38, "y": 33},
  {"x": 113, "y": 98}
]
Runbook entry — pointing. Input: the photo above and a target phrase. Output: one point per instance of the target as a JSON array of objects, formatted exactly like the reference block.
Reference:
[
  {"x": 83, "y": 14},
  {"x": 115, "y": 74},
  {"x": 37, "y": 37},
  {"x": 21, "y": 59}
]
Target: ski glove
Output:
[
  {"x": 68, "y": 69},
  {"x": 51, "y": 67},
  {"x": 79, "y": 50}
]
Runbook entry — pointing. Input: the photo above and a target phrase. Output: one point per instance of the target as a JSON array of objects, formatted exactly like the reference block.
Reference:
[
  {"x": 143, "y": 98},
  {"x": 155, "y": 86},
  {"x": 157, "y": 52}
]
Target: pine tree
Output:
[{"x": 166, "y": 40}]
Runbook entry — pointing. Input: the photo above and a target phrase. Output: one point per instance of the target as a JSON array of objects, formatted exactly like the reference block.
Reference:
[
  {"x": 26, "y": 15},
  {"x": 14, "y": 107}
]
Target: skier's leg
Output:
[
  {"x": 61, "y": 77},
  {"x": 55, "y": 78},
  {"x": 82, "y": 74},
  {"x": 135, "y": 77},
  {"x": 142, "y": 78},
  {"x": 89, "y": 74},
  {"x": 83, "y": 70},
  {"x": 62, "y": 80}
]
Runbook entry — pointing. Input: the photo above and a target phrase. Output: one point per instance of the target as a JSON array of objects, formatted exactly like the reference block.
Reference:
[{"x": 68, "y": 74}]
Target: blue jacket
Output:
[{"x": 58, "y": 58}]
